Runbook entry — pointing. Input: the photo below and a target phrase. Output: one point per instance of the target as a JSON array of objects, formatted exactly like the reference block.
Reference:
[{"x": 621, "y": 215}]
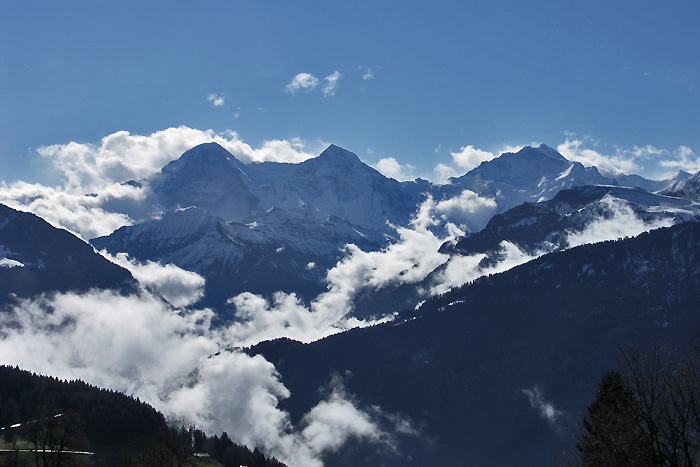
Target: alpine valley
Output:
[{"x": 378, "y": 322}]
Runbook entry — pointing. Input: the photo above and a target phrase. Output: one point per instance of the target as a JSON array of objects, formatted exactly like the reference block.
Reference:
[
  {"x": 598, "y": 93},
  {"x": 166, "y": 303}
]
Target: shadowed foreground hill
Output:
[
  {"x": 496, "y": 373},
  {"x": 119, "y": 429},
  {"x": 40, "y": 258}
]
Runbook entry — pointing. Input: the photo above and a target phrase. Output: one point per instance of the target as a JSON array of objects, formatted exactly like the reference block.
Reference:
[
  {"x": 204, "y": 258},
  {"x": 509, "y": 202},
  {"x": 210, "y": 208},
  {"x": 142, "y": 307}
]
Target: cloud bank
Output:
[
  {"x": 176, "y": 362},
  {"x": 92, "y": 200},
  {"x": 645, "y": 160},
  {"x": 178, "y": 286},
  {"x": 409, "y": 260}
]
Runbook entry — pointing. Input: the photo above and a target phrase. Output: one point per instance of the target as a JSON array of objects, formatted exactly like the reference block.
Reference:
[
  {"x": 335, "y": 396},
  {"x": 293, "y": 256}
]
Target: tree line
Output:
[{"x": 43, "y": 418}]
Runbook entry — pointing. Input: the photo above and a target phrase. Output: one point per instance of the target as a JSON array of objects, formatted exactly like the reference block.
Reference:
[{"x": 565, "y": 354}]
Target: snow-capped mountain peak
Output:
[{"x": 336, "y": 154}]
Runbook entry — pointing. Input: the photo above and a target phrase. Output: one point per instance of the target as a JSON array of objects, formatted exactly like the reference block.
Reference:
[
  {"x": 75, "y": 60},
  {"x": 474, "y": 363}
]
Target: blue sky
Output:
[{"x": 414, "y": 81}]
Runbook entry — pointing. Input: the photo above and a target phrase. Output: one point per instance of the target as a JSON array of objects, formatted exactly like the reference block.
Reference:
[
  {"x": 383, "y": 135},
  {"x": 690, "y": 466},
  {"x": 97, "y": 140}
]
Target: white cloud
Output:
[
  {"x": 83, "y": 215},
  {"x": 330, "y": 423},
  {"x": 460, "y": 270},
  {"x": 621, "y": 162},
  {"x": 468, "y": 210},
  {"x": 367, "y": 73},
  {"x": 176, "y": 362},
  {"x": 332, "y": 82},
  {"x": 93, "y": 201},
  {"x": 122, "y": 156},
  {"x": 470, "y": 157},
  {"x": 277, "y": 150},
  {"x": 179, "y": 286},
  {"x": 444, "y": 172},
  {"x": 409, "y": 260},
  {"x": 682, "y": 159},
  {"x": 390, "y": 167},
  {"x": 645, "y": 160},
  {"x": 304, "y": 81},
  {"x": 619, "y": 221},
  {"x": 216, "y": 99},
  {"x": 545, "y": 409}
]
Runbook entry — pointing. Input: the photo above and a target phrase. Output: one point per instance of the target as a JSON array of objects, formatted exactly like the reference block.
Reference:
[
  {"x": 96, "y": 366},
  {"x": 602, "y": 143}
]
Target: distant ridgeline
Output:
[
  {"x": 39, "y": 411},
  {"x": 498, "y": 371}
]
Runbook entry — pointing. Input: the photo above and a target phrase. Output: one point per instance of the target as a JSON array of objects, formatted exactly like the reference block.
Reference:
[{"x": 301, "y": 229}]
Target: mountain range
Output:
[
  {"x": 497, "y": 372},
  {"x": 501, "y": 295},
  {"x": 268, "y": 227}
]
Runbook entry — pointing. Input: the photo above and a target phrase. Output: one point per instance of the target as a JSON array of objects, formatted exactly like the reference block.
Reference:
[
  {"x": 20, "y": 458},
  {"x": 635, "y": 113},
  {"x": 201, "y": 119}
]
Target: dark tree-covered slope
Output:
[
  {"x": 497, "y": 372},
  {"x": 119, "y": 429},
  {"x": 48, "y": 259}
]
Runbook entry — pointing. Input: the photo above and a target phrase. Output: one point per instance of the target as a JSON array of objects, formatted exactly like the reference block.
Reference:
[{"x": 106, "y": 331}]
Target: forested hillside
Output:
[{"x": 44, "y": 412}]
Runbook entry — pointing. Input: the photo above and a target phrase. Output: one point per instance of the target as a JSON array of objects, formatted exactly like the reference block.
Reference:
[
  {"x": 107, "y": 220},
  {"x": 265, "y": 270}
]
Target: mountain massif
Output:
[
  {"x": 503, "y": 294},
  {"x": 269, "y": 227}
]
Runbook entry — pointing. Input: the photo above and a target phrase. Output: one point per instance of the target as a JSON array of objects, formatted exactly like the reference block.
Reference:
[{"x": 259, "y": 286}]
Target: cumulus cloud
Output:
[
  {"x": 682, "y": 159},
  {"x": 123, "y": 156},
  {"x": 390, "y": 167},
  {"x": 179, "y": 286},
  {"x": 646, "y": 160},
  {"x": 84, "y": 215},
  {"x": 621, "y": 162},
  {"x": 466, "y": 159},
  {"x": 302, "y": 81},
  {"x": 333, "y": 421},
  {"x": 176, "y": 362},
  {"x": 443, "y": 172},
  {"x": 409, "y": 260},
  {"x": 216, "y": 99},
  {"x": 332, "y": 82},
  {"x": 368, "y": 74},
  {"x": 468, "y": 210},
  {"x": 469, "y": 157},
  {"x": 93, "y": 200}
]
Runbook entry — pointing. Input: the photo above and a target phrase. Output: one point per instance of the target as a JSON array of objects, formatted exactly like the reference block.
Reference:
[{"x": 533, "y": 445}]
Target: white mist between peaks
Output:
[
  {"x": 409, "y": 260},
  {"x": 175, "y": 361},
  {"x": 616, "y": 221},
  {"x": 619, "y": 221},
  {"x": 173, "y": 358}
]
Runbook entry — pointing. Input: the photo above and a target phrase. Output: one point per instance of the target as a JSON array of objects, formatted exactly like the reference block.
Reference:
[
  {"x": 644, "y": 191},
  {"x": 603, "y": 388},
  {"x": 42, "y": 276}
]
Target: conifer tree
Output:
[{"x": 613, "y": 437}]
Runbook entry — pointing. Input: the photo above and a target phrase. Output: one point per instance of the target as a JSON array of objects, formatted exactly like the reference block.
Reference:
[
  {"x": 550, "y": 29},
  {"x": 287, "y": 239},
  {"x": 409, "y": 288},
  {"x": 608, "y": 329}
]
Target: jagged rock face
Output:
[
  {"x": 335, "y": 184},
  {"x": 687, "y": 186},
  {"x": 210, "y": 178},
  {"x": 278, "y": 253},
  {"x": 544, "y": 226},
  {"x": 264, "y": 227},
  {"x": 530, "y": 175}
]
